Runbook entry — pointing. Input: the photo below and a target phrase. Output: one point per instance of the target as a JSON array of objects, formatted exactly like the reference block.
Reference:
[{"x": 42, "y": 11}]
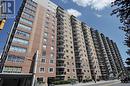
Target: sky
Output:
[{"x": 95, "y": 13}]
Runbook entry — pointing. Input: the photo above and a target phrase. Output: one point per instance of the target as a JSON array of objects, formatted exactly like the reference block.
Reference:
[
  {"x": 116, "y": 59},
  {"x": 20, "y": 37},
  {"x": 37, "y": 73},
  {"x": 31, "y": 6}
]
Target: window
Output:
[
  {"x": 29, "y": 10},
  {"x": 53, "y": 42},
  {"x": 44, "y": 47},
  {"x": 44, "y": 53},
  {"x": 46, "y": 23},
  {"x": 18, "y": 49},
  {"x": 52, "y": 61},
  {"x": 73, "y": 70},
  {"x": 24, "y": 27},
  {"x": 47, "y": 15},
  {"x": 52, "y": 48},
  {"x": 15, "y": 58},
  {"x": 28, "y": 15},
  {"x": 26, "y": 21},
  {"x": 22, "y": 33},
  {"x": 45, "y": 40},
  {"x": 52, "y": 36},
  {"x": 42, "y": 69},
  {"x": 51, "y": 70},
  {"x": 53, "y": 31},
  {"x": 68, "y": 70},
  {"x": 8, "y": 69},
  {"x": 43, "y": 60},
  {"x": 30, "y": 5},
  {"x": 21, "y": 41},
  {"x": 45, "y": 34},
  {"x": 52, "y": 56}
]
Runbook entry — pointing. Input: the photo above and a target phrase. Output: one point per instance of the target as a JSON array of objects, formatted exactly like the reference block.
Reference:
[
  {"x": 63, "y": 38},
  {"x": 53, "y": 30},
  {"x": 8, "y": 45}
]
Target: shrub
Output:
[{"x": 61, "y": 82}]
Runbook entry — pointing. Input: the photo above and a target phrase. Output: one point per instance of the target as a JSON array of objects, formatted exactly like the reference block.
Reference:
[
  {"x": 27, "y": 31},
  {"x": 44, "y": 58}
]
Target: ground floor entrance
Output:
[{"x": 15, "y": 80}]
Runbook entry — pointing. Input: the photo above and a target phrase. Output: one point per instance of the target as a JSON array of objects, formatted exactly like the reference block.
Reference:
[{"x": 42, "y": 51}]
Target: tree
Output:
[{"x": 122, "y": 10}]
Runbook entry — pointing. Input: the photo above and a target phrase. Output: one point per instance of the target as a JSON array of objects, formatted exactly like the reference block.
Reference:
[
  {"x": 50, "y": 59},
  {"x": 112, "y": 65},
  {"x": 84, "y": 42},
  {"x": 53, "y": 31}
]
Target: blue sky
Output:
[{"x": 96, "y": 14}]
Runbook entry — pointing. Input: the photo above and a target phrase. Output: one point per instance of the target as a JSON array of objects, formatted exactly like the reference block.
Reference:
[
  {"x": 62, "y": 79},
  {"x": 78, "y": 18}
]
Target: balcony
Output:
[
  {"x": 60, "y": 73},
  {"x": 78, "y": 67},
  {"x": 60, "y": 65},
  {"x": 60, "y": 58},
  {"x": 60, "y": 46},
  {"x": 78, "y": 61}
]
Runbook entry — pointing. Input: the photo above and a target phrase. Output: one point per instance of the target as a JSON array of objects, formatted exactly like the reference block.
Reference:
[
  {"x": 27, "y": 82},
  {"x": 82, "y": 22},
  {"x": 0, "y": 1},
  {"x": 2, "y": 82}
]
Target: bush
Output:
[
  {"x": 70, "y": 81},
  {"x": 86, "y": 80},
  {"x": 61, "y": 82}
]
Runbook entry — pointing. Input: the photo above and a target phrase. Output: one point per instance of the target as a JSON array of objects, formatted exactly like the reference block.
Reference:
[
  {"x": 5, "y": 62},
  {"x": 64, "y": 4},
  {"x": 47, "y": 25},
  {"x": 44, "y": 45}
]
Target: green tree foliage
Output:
[{"x": 122, "y": 11}]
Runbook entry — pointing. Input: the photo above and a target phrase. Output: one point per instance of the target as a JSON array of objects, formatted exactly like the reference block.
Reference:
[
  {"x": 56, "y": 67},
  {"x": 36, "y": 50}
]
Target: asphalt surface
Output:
[{"x": 118, "y": 83}]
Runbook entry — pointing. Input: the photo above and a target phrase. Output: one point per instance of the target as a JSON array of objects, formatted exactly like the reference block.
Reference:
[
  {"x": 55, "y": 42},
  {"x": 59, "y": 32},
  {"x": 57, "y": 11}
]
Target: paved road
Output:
[
  {"x": 101, "y": 83},
  {"x": 110, "y": 84}
]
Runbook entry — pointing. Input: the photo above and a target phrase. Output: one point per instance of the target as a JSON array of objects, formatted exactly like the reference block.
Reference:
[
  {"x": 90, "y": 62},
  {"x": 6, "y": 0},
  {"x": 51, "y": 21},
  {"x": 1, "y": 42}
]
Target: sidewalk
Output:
[{"x": 89, "y": 83}]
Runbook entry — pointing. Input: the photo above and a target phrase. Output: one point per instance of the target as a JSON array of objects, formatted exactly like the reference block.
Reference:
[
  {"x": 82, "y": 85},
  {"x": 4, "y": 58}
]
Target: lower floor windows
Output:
[
  {"x": 21, "y": 41},
  {"x": 51, "y": 61},
  {"x": 18, "y": 49},
  {"x": 50, "y": 70},
  {"x": 43, "y": 60},
  {"x": 42, "y": 69},
  {"x": 8, "y": 69},
  {"x": 14, "y": 58}
]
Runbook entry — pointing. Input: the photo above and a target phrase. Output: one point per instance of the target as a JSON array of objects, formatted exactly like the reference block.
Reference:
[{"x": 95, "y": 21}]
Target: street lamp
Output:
[{"x": 2, "y": 23}]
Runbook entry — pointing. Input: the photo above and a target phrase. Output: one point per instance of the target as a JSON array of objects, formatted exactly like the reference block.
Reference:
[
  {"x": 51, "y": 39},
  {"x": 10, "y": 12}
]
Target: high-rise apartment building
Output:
[
  {"x": 92, "y": 54},
  {"x": 65, "y": 49},
  {"x": 34, "y": 31},
  {"x": 46, "y": 43},
  {"x": 81, "y": 57}
]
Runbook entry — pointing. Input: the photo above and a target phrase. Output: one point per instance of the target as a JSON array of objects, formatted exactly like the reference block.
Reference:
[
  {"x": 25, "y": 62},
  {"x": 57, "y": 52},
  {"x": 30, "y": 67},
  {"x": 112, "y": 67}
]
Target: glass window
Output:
[
  {"x": 44, "y": 53},
  {"x": 52, "y": 55},
  {"x": 12, "y": 69},
  {"x": 18, "y": 49},
  {"x": 21, "y": 41},
  {"x": 45, "y": 40},
  {"x": 26, "y": 21},
  {"x": 24, "y": 27},
  {"x": 47, "y": 15},
  {"x": 52, "y": 61},
  {"x": 15, "y": 58},
  {"x": 29, "y": 5},
  {"x": 52, "y": 36},
  {"x": 53, "y": 31},
  {"x": 52, "y": 48},
  {"x": 42, "y": 69},
  {"x": 45, "y": 34},
  {"x": 51, "y": 70},
  {"x": 22, "y": 33},
  {"x": 28, "y": 15},
  {"x": 46, "y": 23},
  {"x": 44, "y": 47},
  {"x": 43, "y": 60},
  {"x": 29, "y": 10}
]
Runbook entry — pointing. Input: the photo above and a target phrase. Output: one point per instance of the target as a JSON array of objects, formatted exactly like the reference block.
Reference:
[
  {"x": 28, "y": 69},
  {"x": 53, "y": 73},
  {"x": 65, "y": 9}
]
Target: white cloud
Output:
[
  {"x": 74, "y": 12},
  {"x": 95, "y": 4},
  {"x": 98, "y": 15}
]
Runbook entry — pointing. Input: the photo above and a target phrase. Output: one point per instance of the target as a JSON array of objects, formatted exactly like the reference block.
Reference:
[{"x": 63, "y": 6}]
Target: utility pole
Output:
[{"x": 35, "y": 68}]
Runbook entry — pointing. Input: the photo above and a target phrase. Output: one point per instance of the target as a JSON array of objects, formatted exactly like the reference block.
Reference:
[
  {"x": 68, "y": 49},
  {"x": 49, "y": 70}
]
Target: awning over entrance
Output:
[{"x": 15, "y": 75}]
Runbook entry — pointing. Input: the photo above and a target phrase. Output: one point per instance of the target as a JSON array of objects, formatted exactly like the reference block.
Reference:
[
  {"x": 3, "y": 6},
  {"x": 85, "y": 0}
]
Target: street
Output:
[
  {"x": 117, "y": 83},
  {"x": 100, "y": 83}
]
